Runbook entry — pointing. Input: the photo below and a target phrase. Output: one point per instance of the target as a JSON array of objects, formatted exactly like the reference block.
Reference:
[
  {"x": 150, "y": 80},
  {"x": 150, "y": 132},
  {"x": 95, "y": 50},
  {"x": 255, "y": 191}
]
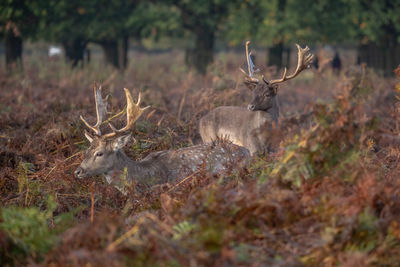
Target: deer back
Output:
[{"x": 214, "y": 158}]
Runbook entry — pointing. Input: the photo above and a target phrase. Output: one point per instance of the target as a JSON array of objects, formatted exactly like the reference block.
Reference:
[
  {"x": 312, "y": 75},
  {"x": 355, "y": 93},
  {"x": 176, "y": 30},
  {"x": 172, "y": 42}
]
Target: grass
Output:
[{"x": 327, "y": 195}]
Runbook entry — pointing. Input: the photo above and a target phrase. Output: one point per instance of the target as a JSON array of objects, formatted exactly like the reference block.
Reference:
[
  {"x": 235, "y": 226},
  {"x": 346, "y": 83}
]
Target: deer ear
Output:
[
  {"x": 121, "y": 141},
  {"x": 89, "y": 137}
]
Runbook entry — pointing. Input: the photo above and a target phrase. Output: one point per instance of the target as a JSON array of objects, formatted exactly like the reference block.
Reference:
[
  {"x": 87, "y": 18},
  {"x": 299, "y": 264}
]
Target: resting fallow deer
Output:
[
  {"x": 106, "y": 156},
  {"x": 250, "y": 127}
]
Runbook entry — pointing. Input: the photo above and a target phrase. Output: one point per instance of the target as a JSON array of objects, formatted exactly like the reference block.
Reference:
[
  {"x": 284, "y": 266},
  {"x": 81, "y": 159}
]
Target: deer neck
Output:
[
  {"x": 123, "y": 167},
  {"x": 127, "y": 172},
  {"x": 274, "y": 110},
  {"x": 125, "y": 164}
]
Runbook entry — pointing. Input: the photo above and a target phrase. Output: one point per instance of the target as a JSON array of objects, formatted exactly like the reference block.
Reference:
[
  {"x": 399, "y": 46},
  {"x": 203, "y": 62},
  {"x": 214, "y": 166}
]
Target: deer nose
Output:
[
  {"x": 78, "y": 172},
  {"x": 250, "y": 107}
]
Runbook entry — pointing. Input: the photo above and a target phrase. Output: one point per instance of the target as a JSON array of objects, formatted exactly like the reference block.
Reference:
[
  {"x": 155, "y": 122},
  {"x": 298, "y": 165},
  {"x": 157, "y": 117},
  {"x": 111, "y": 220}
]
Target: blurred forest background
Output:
[{"x": 371, "y": 29}]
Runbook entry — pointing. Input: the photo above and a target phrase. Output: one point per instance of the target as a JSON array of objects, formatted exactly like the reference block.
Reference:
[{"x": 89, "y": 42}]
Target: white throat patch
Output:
[{"x": 109, "y": 177}]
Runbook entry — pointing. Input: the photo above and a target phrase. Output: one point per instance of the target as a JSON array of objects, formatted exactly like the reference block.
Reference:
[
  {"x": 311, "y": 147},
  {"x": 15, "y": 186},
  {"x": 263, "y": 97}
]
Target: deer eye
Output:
[{"x": 99, "y": 154}]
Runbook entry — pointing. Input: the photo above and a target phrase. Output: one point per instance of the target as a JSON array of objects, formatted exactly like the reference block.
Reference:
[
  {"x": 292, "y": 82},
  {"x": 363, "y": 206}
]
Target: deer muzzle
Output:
[{"x": 80, "y": 173}]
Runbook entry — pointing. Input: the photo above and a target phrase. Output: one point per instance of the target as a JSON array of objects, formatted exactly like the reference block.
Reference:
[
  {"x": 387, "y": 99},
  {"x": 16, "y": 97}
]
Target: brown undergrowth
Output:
[{"x": 327, "y": 195}]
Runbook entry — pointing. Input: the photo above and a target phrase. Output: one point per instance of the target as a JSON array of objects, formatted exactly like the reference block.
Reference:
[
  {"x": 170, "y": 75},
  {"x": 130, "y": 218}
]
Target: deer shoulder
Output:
[{"x": 223, "y": 122}]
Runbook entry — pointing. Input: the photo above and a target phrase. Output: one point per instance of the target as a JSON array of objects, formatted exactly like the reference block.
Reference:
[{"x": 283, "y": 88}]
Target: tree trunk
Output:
[
  {"x": 286, "y": 58},
  {"x": 75, "y": 50},
  {"x": 123, "y": 52},
  {"x": 382, "y": 58},
  {"x": 384, "y": 54},
  {"x": 203, "y": 53},
  {"x": 116, "y": 52},
  {"x": 110, "y": 49},
  {"x": 275, "y": 55},
  {"x": 13, "y": 44}
]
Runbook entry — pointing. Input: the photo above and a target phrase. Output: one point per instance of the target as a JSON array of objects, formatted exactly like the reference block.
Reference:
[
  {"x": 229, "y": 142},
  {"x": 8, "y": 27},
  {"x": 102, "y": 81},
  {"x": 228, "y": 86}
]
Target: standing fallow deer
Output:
[
  {"x": 106, "y": 156},
  {"x": 251, "y": 127}
]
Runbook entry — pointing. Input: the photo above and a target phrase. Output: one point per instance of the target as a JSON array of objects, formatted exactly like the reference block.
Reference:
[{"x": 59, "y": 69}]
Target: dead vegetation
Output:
[{"x": 328, "y": 195}]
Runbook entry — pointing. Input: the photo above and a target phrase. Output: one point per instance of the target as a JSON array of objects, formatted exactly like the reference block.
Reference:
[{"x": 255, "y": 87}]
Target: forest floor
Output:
[{"x": 328, "y": 195}]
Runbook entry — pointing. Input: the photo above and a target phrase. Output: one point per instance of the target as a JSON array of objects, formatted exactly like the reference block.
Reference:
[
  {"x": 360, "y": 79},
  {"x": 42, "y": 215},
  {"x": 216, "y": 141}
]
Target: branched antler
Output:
[
  {"x": 250, "y": 66},
  {"x": 101, "y": 110},
  {"x": 133, "y": 113},
  {"x": 304, "y": 59}
]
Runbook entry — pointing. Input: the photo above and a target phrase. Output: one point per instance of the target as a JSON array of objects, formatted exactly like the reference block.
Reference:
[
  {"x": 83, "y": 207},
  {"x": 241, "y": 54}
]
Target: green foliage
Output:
[
  {"x": 289, "y": 21},
  {"x": 154, "y": 20},
  {"x": 67, "y": 20},
  {"x": 312, "y": 22},
  {"x": 124, "y": 177},
  {"x": 201, "y": 23},
  {"x": 202, "y": 14},
  {"x": 322, "y": 21},
  {"x": 183, "y": 228},
  {"x": 261, "y": 169},
  {"x": 202, "y": 19},
  {"x": 375, "y": 20},
  {"x": 31, "y": 188},
  {"x": 29, "y": 227},
  {"x": 210, "y": 236},
  {"x": 331, "y": 146},
  {"x": 18, "y": 16},
  {"x": 365, "y": 237},
  {"x": 266, "y": 22},
  {"x": 24, "y": 168},
  {"x": 245, "y": 21},
  {"x": 103, "y": 20}
]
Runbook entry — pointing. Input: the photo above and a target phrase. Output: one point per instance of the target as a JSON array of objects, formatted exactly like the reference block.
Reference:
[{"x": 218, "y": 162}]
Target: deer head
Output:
[
  {"x": 105, "y": 151},
  {"x": 265, "y": 91}
]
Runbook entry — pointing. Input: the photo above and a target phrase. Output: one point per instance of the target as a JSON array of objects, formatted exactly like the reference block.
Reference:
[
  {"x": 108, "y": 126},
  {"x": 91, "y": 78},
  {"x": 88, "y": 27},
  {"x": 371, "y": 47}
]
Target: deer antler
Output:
[
  {"x": 133, "y": 112},
  {"x": 303, "y": 62},
  {"x": 101, "y": 110},
  {"x": 250, "y": 66}
]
